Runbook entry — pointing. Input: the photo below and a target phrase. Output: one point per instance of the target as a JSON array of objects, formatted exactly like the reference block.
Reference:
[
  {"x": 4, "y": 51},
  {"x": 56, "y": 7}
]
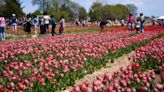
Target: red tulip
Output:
[
  {"x": 83, "y": 87},
  {"x": 143, "y": 89}
]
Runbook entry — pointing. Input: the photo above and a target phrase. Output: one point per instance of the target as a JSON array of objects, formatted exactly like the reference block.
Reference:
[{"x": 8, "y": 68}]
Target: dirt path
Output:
[{"x": 110, "y": 67}]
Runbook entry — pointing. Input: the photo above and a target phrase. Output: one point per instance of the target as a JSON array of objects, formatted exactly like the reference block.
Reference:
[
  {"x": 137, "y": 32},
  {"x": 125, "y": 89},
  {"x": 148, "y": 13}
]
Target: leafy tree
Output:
[
  {"x": 2, "y": 6},
  {"x": 121, "y": 12},
  {"x": 43, "y": 4},
  {"x": 99, "y": 11},
  {"x": 77, "y": 11},
  {"x": 132, "y": 9},
  {"x": 57, "y": 14},
  {"x": 107, "y": 12},
  {"x": 67, "y": 8},
  {"x": 35, "y": 13},
  {"x": 70, "y": 10},
  {"x": 82, "y": 13},
  {"x": 10, "y": 7},
  {"x": 96, "y": 11},
  {"x": 74, "y": 9}
]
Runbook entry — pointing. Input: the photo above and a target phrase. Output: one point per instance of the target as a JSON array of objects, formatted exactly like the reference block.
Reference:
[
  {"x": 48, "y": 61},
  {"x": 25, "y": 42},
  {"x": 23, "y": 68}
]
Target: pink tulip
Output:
[
  {"x": 11, "y": 86},
  {"x": 83, "y": 87},
  {"x": 76, "y": 89},
  {"x": 143, "y": 89},
  {"x": 133, "y": 90},
  {"x": 159, "y": 86},
  {"x": 21, "y": 87}
]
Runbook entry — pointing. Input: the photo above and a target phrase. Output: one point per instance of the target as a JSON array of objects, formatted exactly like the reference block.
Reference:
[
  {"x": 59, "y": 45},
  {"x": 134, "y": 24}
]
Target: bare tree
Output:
[{"x": 132, "y": 9}]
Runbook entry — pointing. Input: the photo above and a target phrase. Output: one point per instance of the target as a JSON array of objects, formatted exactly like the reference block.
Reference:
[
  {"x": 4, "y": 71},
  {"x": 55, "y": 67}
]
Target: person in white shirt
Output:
[
  {"x": 42, "y": 25},
  {"x": 138, "y": 25},
  {"x": 14, "y": 24},
  {"x": 62, "y": 25},
  {"x": 47, "y": 22}
]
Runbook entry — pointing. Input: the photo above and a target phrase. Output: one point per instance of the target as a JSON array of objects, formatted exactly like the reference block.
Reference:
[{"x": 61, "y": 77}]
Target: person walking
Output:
[
  {"x": 62, "y": 25},
  {"x": 102, "y": 25},
  {"x": 34, "y": 24},
  {"x": 47, "y": 22},
  {"x": 122, "y": 22},
  {"x": 77, "y": 22},
  {"x": 42, "y": 26},
  {"x": 130, "y": 22},
  {"x": 142, "y": 20},
  {"x": 2, "y": 28},
  {"x": 14, "y": 24},
  {"x": 53, "y": 24},
  {"x": 28, "y": 26}
]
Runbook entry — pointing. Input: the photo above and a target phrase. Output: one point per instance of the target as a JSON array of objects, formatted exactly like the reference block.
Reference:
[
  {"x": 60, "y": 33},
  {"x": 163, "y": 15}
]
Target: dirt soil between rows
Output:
[{"x": 120, "y": 62}]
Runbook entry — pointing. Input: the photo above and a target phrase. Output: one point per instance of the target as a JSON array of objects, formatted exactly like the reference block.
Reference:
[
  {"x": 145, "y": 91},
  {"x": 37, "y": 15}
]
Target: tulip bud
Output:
[
  {"x": 143, "y": 89},
  {"x": 11, "y": 86},
  {"x": 83, "y": 87},
  {"x": 159, "y": 86},
  {"x": 156, "y": 90},
  {"x": 20, "y": 86},
  {"x": 137, "y": 80},
  {"x": 133, "y": 90},
  {"x": 76, "y": 89},
  {"x": 128, "y": 90}
]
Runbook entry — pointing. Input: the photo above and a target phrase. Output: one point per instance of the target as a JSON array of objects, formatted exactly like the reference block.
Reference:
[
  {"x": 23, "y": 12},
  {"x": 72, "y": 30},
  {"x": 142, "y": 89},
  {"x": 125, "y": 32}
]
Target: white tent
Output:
[{"x": 162, "y": 17}]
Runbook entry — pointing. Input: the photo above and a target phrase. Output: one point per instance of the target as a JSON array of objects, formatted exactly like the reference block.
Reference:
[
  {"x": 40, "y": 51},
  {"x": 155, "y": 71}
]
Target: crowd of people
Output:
[
  {"x": 132, "y": 23},
  {"x": 138, "y": 24},
  {"x": 43, "y": 24},
  {"x": 29, "y": 23},
  {"x": 80, "y": 22}
]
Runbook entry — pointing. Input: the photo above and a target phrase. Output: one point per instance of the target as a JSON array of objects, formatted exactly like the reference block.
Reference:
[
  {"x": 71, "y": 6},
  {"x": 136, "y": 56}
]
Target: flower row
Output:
[
  {"x": 25, "y": 63},
  {"x": 129, "y": 79},
  {"x": 132, "y": 78}
]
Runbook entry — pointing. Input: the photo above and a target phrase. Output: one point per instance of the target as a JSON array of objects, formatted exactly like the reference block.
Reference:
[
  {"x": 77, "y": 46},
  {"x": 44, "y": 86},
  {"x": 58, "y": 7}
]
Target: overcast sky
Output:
[{"x": 148, "y": 7}]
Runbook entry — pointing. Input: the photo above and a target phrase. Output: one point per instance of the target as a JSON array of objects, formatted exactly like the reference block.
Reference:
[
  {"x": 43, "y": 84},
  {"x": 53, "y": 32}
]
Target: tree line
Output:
[{"x": 69, "y": 9}]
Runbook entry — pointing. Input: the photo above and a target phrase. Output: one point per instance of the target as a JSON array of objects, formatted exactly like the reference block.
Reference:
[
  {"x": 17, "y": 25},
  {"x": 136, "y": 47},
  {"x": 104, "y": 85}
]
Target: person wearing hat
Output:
[{"x": 14, "y": 24}]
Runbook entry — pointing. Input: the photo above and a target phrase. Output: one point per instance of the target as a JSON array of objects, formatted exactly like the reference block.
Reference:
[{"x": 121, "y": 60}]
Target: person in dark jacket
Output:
[
  {"x": 102, "y": 24},
  {"x": 53, "y": 24},
  {"x": 27, "y": 26}
]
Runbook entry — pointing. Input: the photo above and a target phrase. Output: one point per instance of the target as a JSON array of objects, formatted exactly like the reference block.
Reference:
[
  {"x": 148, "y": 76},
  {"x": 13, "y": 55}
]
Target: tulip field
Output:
[
  {"x": 51, "y": 64},
  {"x": 137, "y": 77}
]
